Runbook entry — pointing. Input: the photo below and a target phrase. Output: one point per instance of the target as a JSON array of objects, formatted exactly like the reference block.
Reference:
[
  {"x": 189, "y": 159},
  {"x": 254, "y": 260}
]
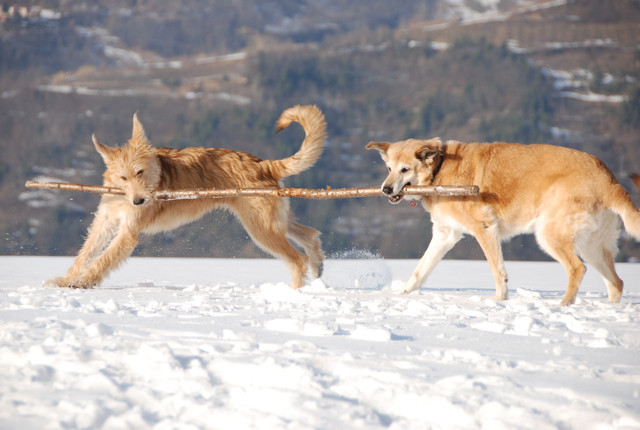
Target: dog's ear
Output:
[
  {"x": 138, "y": 135},
  {"x": 426, "y": 153},
  {"x": 429, "y": 149},
  {"x": 103, "y": 150},
  {"x": 381, "y": 147}
]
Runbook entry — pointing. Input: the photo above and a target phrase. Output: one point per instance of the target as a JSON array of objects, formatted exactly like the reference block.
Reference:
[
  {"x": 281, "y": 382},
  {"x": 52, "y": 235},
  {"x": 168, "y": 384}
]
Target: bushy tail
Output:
[
  {"x": 623, "y": 206},
  {"x": 315, "y": 127}
]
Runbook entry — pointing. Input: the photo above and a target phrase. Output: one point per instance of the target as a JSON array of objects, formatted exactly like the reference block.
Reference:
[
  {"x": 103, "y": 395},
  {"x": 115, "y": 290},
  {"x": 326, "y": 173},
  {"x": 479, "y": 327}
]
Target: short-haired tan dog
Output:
[
  {"x": 140, "y": 169},
  {"x": 567, "y": 198}
]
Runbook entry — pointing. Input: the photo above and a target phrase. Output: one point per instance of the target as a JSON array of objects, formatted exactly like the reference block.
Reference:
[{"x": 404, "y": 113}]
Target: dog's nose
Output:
[
  {"x": 387, "y": 190},
  {"x": 138, "y": 201}
]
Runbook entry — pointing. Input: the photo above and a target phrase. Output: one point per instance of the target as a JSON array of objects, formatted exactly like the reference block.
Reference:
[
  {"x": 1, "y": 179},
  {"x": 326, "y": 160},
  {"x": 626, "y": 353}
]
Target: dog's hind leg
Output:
[
  {"x": 277, "y": 244},
  {"x": 598, "y": 248},
  {"x": 443, "y": 239},
  {"x": 605, "y": 266},
  {"x": 265, "y": 221},
  {"x": 558, "y": 242},
  {"x": 309, "y": 239},
  {"x": 489, "y": 240}
]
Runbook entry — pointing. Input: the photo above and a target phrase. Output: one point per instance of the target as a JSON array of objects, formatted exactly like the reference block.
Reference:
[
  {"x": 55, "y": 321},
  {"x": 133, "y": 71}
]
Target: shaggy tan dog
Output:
[
  {"x": 140, "y": 169},
  {"x": 567, "y": 198}
]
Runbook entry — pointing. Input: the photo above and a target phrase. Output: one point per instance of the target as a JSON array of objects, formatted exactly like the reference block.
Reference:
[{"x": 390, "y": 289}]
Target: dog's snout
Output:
[
  {"x": 138, "y": 201},
  {"x": 388, "y": 190}
]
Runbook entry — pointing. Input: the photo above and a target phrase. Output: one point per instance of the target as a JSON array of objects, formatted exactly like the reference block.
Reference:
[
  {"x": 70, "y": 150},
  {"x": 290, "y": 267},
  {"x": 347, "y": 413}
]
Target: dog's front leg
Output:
[
  {"x": 489, "y": 240},
  {"x": 443, "y": 239},
  {"x": 100, "y": 233},
  {"x": 118, "y": 250}
]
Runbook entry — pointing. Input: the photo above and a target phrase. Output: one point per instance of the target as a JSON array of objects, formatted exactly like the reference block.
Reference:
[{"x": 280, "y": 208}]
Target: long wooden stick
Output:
[{"x": 304, "y": 193}]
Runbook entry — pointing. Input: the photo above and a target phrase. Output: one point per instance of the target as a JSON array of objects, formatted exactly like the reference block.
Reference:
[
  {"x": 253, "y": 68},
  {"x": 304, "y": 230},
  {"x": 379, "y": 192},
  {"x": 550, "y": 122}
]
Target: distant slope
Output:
[{"x": 219, "y": 75}]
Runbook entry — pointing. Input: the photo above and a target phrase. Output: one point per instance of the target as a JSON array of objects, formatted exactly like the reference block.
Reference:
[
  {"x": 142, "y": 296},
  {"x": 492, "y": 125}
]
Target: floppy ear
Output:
[
  {"x": 430, "y": 149},
  {"x": 381, "y": 147},
  {"x": 103, "y": 150},
  {"x": 138, "y": 135},
  {"x": 426, "y": 152}
]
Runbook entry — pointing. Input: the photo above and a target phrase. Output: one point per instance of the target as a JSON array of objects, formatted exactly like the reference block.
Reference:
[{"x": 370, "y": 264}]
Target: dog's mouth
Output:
[{"x": 396, "y": 199}]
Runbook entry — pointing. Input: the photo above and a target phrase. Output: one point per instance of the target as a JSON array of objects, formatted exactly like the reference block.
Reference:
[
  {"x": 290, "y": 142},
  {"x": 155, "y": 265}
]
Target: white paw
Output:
[
  {"x": 500, "y": 297},
  {"x": 404, "y": 288},
  {"x": 58, "y": 282}
]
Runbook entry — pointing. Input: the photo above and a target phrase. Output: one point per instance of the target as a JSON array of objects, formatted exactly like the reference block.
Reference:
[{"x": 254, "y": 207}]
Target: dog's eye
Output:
[
  {"x": 139, "y": 173},
  {"x": 404, "y": 170},
  {"x": 389, "y": 168},
  {"x": 124, "y": 178}
]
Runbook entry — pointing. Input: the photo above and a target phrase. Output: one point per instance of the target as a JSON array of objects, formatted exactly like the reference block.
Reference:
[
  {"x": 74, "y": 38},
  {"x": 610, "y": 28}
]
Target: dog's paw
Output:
[
  {"x": 403, "y": 288},
  {"x": 62, "y": 282},
  {"x": 567, "y": 301},
  {"x": 57, "y": 282},
  {"x": 500, "y": 296},
  {"x": 83, "y": 284}
]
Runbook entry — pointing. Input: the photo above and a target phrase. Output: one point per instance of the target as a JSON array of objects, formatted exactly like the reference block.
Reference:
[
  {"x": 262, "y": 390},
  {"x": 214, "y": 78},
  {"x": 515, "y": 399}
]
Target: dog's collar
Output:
[{"x": 436, "y": 169}]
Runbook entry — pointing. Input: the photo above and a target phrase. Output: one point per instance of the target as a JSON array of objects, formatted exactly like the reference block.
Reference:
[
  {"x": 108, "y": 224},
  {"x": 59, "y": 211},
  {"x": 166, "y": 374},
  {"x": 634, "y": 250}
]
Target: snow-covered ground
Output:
[{"x": 225, "y": 344}]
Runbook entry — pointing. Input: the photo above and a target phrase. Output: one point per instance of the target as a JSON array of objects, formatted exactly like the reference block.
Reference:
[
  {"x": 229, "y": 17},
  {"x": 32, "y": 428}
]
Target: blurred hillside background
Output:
[{"x": 218, "y": 73}]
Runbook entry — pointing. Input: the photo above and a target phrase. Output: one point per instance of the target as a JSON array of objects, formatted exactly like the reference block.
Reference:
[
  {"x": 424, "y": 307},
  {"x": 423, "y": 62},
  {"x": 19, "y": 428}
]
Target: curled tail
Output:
[
  {"x": 621, "y": 204},
  {"x": 315, "y": 127}
]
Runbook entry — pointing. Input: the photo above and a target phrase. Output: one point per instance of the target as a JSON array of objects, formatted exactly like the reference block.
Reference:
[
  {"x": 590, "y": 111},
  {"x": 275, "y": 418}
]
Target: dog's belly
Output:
[
  {"x": 167, "y": 223},
  {"x": 447, "y": 220},
  {"x": 508, "y": 230},
  {"x": 178, "y": 213},
  {"x": 505, "y": 227}
]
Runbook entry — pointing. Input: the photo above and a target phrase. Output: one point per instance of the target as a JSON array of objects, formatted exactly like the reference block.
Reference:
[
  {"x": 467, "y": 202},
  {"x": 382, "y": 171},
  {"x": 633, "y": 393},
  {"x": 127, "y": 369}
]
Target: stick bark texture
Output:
[{"x": 303, "y": 193}]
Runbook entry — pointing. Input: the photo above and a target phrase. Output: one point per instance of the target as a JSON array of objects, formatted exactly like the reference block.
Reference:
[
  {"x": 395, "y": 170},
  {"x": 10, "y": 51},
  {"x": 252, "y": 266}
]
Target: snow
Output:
[
  {"x": 124, "y": 56},
  {"x": 461, "y": 12},
  {"x": 594, "y": 98},
  {"x": 236, "y": 56},
  {"x": 436, "y": 46},
  {"x": 170, "y": 343},
  {"x": 514, "y": 46},
  {"x": 135, "y": 92},
  {"x": 578, "y": 80}
]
